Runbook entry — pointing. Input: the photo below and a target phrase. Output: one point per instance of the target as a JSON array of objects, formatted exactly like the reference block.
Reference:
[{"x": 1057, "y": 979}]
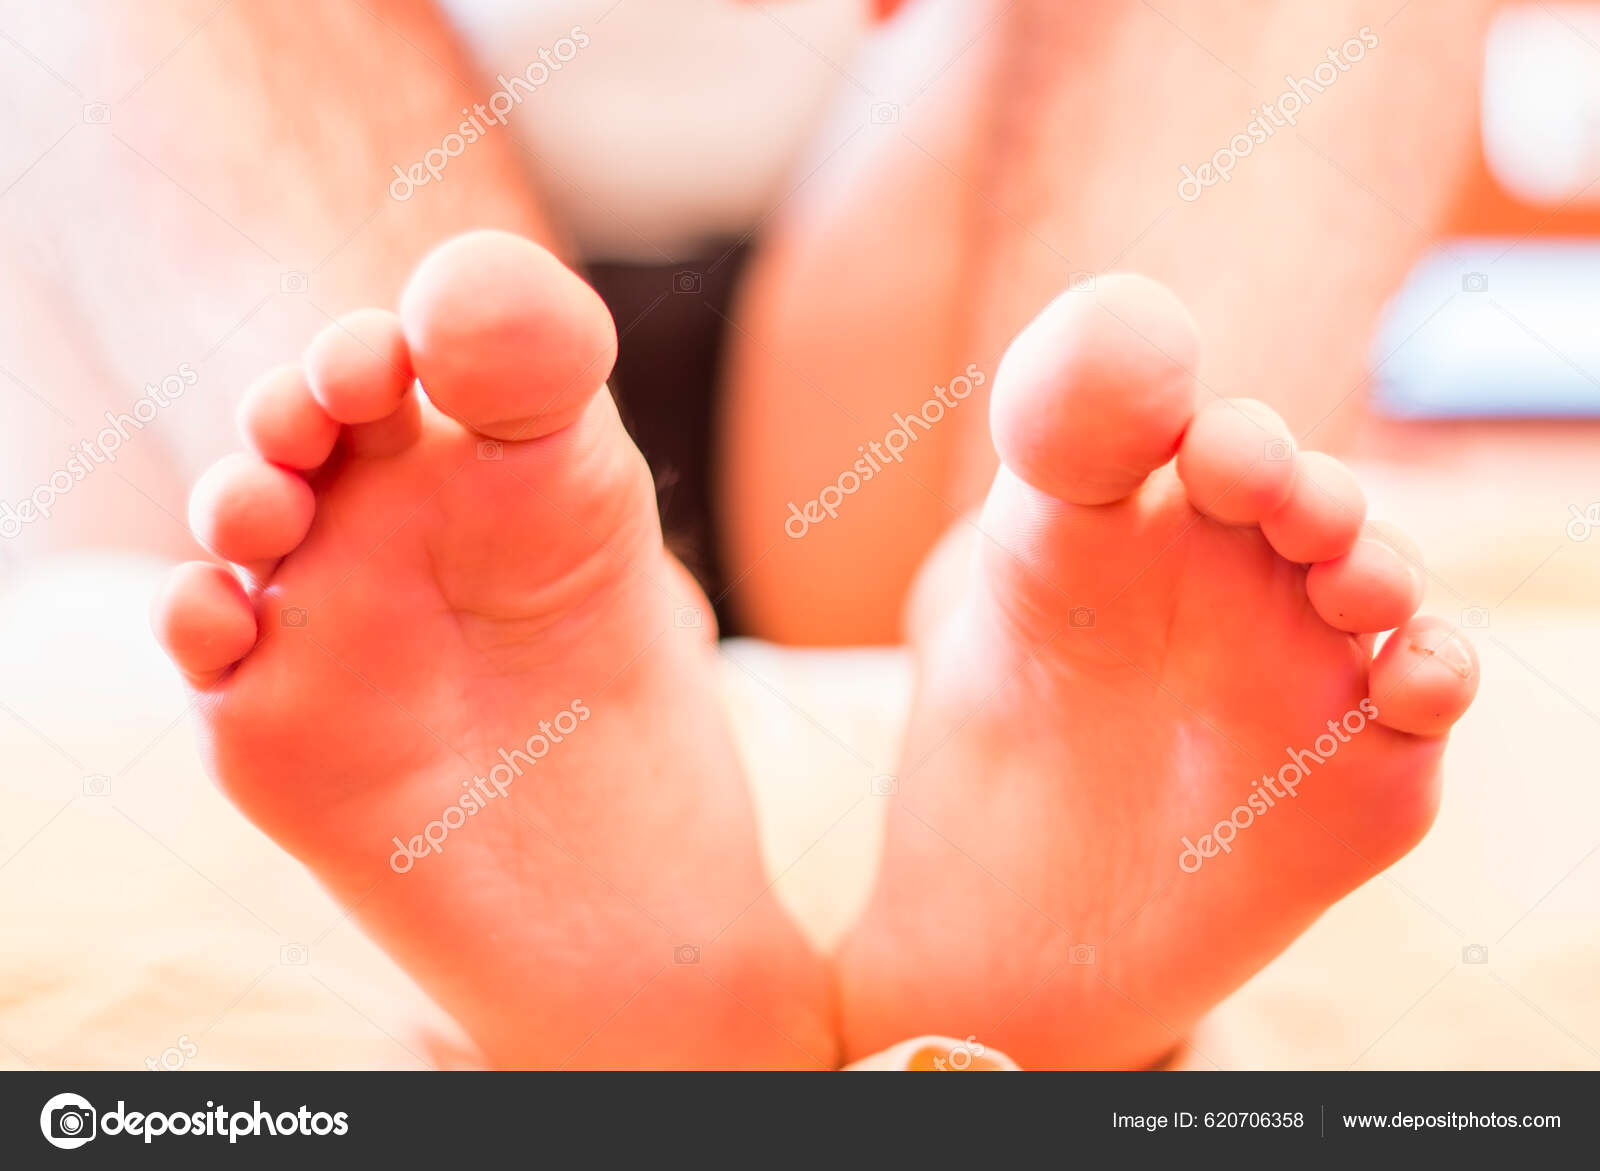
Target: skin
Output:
[
  {"x": 1128, "y": 650},
  {"x": 1205, "y": 650},
  {"x": 608, "y": 910},
  {"x": 926, "y": 245},
  {"x": 167, "y": 244},
  {"x": 911, "y": 256}
]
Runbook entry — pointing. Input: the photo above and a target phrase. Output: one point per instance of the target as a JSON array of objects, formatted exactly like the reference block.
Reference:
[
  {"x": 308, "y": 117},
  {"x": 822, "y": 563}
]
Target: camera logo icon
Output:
[
  {"x": 961, "y": 1057},
  {"x": 1080, "y": 617},
  {"x": 97, "y": 113},
  {"x": 294, "y": 955},
  {"x": 67, "y": 1121},
  {"x": 294, "y": 616},
  {"x": 686, "y": 953},
  {"x": 1474, "y": 953},
  {"x": 491, "y": 449},
  {"x": 1278, "y": 449},
  {"x": 686, "y": 282},
  {"x": 1584, "y": 521},
  {"x": 884, "y": 786},
  {"x": 1081, "y": 282},
  {"x": 884, "y": 113},
  {"x": 1475, "y": 617},
  {"x": 1081, "y": 953},
  {"x": 293, "y": 282},
  {"x": 1475, "y": 282},
  {"x": 97, "y": 785},
  {"x": 688, "y": 616}
]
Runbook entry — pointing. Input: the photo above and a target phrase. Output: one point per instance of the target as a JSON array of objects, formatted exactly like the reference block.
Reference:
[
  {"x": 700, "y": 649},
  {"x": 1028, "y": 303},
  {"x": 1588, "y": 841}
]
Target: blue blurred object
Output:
[{"x": 1489, "y": 328}]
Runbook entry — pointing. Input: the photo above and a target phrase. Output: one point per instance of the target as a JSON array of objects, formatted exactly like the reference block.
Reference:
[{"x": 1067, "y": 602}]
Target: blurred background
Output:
[{"x": 159, "y": 230}]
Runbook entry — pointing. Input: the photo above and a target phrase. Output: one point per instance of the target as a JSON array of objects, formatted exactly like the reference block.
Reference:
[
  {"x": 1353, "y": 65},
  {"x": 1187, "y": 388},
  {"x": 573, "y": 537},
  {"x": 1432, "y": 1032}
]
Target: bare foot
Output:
[
  {"x": 1150, "y": 745},
  {"x": 471, "y": 691}
]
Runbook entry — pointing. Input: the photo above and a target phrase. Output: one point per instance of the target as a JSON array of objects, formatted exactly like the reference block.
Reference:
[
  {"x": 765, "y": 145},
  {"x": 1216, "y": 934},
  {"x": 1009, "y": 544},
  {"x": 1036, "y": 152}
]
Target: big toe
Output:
[
  {"x": 1096, "y": 392},
  {"x": 504, "y": 337}
]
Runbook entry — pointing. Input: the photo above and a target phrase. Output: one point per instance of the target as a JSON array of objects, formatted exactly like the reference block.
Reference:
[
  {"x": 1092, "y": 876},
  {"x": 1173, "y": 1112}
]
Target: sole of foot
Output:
[
  {"x": 1152, "y": 741},
  {"x": 455, "y": 673}
]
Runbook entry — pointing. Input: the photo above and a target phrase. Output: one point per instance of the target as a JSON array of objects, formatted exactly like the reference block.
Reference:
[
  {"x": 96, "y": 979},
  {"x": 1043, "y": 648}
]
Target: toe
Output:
[
  {"x": 393, "y": 433},
  {"x": 248, "y": 511},
  {"x": 203, "y": 620},
  {"x": 1424, "y": 678},
  {"x": 359, "y": 368},
  {"x": 1374, "y": 586},
  {"x": 281, "y": 420},
  {"x": 1323, "y": 516},
  {"x": 1095, "y": 393},
  {"x": 1237, "y": 461},
  {"x": 504, "y": 337}
]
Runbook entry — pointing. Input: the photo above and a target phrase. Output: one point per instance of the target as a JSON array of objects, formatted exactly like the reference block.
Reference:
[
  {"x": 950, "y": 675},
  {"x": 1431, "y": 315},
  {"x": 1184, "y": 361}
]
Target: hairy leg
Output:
[
  {"x": 192, "y": 191},
  {"x": 1034, "y": 141}
]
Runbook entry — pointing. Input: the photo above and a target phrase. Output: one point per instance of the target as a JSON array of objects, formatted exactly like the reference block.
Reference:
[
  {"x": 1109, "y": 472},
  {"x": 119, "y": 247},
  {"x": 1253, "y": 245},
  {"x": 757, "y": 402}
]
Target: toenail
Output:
[{"x": 1452, "y": 652}]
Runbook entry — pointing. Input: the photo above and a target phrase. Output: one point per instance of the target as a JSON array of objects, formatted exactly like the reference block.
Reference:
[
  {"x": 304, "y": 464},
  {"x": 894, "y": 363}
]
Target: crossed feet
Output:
[{"x": 465, "y": 684}]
